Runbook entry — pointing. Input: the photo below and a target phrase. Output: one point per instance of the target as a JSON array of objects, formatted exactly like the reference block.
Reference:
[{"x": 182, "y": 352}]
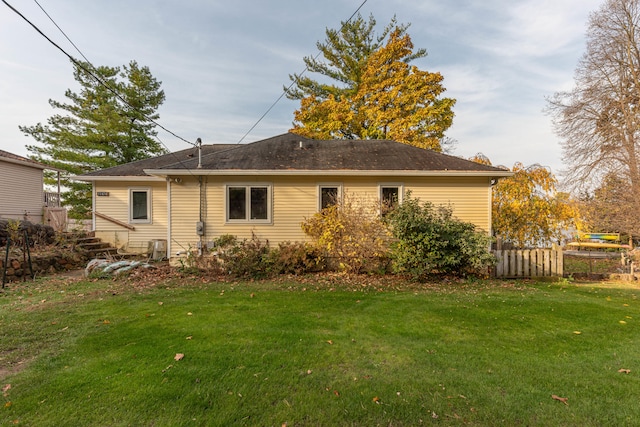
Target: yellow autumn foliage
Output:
[
  {"x": 527, "y": 209},
  {"x": 394, "y": 100},
  {"x": 351, "y": 233}
]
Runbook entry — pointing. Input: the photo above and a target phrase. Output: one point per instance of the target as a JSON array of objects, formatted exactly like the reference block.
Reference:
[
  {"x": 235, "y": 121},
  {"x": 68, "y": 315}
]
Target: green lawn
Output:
[{"x": 101, "y": 353}]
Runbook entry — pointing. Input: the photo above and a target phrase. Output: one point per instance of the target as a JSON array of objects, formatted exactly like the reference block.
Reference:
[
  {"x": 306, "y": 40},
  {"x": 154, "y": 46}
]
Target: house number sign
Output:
[{"x": 102, "y": 193}]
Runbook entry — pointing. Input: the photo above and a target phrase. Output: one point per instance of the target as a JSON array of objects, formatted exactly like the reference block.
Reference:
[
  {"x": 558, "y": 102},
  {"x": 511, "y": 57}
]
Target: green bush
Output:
[{"x": 430, "y": 240}]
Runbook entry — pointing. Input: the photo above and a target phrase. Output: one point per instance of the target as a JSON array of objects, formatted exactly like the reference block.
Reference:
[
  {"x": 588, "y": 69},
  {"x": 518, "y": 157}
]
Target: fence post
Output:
[{"x": 499, "y": 263}]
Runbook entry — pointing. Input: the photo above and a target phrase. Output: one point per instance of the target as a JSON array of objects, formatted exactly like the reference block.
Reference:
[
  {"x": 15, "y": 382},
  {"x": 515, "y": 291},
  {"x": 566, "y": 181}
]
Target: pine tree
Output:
[{"x": 103, "y": 125}]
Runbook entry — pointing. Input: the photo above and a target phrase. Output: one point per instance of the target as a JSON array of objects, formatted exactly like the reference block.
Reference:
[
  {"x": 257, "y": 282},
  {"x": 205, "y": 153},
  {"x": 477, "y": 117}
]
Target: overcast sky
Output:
[{"x": 223, "y": 64}]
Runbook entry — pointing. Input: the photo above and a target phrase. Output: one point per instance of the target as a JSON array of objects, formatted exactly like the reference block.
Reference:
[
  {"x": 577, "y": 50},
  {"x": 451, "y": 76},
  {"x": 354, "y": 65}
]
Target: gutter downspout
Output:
[{"x": 169, "y": 219}]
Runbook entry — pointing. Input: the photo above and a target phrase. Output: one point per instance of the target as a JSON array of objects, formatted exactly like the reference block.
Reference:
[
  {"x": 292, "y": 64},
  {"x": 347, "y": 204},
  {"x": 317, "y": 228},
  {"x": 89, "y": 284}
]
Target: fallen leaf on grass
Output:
[
  {"x": 624, "y": 371},
  {"x": 336, "y": 392},
  {"x": 560, "y": 399},
  {"x": 577, "y": 332},
  {"x": 8, "y": 404},
  {"x": 179, "y": 356},
  {"x": 106, "y": 322},
  {"x": 6, "y": 388},
  {"x": 330, "y": 342},
  {"x": 189, "y": 337},
  {"x": 376, "y": 399}
]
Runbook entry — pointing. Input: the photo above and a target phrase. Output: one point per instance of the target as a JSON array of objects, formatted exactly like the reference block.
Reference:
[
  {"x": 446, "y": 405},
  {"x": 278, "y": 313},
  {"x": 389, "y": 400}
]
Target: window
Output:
[
  {"x": 328, "y": 195},
  {"x": 140, "y": 205},
  {"x": 248, "y": 203},
  {"x": 390, "y": 197}
]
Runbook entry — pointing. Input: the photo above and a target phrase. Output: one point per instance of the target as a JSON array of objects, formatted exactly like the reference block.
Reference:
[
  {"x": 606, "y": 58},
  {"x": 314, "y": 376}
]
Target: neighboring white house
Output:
[{"x": 22, "y": 190}]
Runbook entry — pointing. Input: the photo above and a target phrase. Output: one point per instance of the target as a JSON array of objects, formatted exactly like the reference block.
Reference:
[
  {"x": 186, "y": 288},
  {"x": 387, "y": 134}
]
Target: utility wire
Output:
[
  {"x": 178, "y": 160},
  {"x": 89, "y": 72},
  {"x": 284, "y": 92},
  {"x": 63, "y": 33},
  {"x": 99, "y": 80}
]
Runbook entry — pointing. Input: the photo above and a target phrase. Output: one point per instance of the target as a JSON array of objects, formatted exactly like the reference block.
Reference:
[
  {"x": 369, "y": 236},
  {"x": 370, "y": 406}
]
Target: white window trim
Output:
[
  {"x": 149, "y": 219},
  {"x": 398, "y": 185},
  {"x": 322, "y": 185},
  {"x": 248, "y": 186}
]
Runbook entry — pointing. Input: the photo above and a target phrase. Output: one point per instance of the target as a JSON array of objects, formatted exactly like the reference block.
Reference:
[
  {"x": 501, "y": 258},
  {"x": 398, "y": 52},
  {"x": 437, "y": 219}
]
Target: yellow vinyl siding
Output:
[
  {"x": 296, "y": 198},
  {"x": 185, "y": 211},
  {"x": 292, "y": 199},
  {"x": 470, "y": 198},
  {"x": 116, "y": 206}
]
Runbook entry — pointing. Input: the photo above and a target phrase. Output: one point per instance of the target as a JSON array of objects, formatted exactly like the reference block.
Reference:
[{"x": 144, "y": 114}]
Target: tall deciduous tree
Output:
[
  {"x": 599, "y": 119},
  {"x": 102, "y": 125},
  {"x": 378, "y": 94},
  {"x": 610, "y": 208},
  {"x": 527, "y": 210}
]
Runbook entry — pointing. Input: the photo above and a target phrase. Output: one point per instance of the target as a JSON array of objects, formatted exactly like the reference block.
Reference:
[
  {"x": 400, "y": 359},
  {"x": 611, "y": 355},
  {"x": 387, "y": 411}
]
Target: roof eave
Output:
[
  {"x": 119, "y": 178},
  {"x": 162, "y": 173},
  {"x": 25, "y": 163}
]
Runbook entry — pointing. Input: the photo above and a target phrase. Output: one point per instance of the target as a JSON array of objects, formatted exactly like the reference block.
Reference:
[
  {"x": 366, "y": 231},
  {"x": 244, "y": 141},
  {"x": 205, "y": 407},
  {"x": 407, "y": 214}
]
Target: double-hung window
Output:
[
  {"x": 249, "y": 203},
  {"x": 140, "y": 205}
]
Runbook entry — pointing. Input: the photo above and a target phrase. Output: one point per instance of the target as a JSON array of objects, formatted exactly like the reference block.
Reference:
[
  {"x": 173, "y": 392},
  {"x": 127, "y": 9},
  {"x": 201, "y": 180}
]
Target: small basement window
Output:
[{"x": 140, "y": 205}]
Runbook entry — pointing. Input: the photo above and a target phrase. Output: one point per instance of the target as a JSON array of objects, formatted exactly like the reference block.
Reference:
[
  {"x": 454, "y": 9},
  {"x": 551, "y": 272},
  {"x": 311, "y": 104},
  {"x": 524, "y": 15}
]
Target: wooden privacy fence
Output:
[{"x": 525, "y": 263}]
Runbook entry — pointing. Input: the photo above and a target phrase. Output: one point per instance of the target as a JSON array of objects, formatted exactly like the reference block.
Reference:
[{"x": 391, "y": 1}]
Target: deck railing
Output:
[{"x": 51, "y": 200}]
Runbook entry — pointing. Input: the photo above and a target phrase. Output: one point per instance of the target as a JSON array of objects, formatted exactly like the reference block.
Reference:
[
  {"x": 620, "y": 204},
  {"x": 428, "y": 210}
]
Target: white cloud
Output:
[{"x": 223, "y": 64}]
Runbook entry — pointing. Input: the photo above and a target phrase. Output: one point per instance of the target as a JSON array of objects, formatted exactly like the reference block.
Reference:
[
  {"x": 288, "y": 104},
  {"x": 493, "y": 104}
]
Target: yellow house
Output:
[{"x": 267, "y": 188}]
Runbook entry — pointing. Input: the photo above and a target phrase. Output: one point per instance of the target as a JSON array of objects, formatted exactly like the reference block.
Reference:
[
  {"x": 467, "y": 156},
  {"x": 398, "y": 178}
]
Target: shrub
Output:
[
  {"x": 430, "y": 240},
  {"x": 352, "y": 235},
  {"x": 295, "y": 258},
  {"x": 243, "y": 258}
]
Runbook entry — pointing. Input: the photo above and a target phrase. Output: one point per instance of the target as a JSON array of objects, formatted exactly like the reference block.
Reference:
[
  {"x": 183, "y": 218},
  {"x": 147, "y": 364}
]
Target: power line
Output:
[
  {"x": 63, "y": 33},
  {"x": 284, "y": 92},
  {"x": 89, "y": 72}
]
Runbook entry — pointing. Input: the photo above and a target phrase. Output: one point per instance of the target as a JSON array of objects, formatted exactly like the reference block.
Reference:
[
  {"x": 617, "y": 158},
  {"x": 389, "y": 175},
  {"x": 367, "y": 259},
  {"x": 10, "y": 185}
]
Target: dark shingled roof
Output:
[
  {"x": 137, "y": 168},
  {"x": 290, "y": 152}
]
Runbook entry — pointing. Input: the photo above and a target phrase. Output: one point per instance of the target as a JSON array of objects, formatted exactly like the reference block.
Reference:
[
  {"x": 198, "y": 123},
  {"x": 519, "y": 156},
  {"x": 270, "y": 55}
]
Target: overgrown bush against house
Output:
[
  {"x": 352, "y": 235},
  {"x": 295, "y": 258},
  {"x": 254, "y": 258},
  {"x": 430, "y": 240}
]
